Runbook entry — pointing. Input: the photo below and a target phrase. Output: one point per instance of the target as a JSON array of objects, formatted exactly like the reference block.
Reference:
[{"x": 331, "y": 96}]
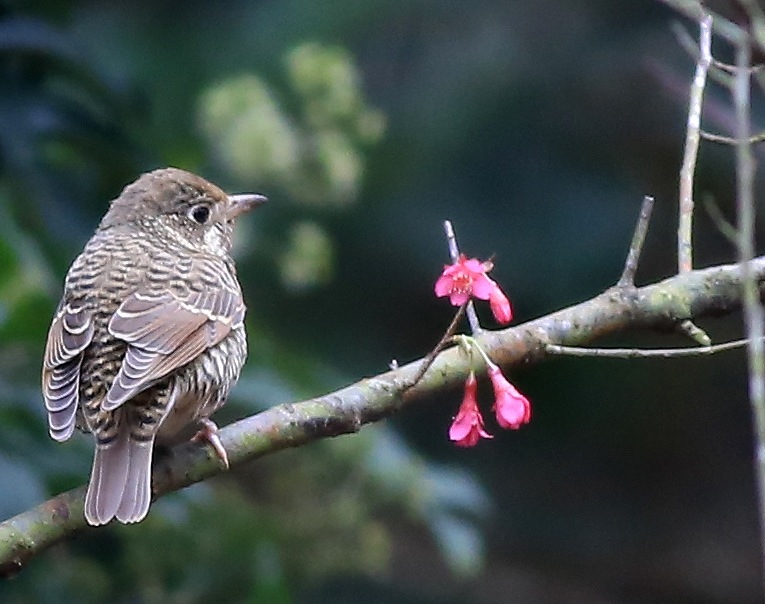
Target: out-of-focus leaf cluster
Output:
[
  {"x": 315, "y": 151},
  {"x": 307, "y": 138}
]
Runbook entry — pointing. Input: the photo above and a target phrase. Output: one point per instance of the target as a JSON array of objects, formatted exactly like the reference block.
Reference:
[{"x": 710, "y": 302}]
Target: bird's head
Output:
[{"x": 175, "y": 203}]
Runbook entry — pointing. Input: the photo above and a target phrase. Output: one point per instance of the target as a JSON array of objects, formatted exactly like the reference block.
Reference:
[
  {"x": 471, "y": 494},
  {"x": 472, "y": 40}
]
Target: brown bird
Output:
[{"x": 149, "y": 335}]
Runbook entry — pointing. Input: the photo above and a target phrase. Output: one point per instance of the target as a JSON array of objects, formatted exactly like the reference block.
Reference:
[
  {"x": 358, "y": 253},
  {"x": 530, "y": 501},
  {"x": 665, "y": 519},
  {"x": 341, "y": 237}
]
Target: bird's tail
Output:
[{"x": 120, "y": 482}]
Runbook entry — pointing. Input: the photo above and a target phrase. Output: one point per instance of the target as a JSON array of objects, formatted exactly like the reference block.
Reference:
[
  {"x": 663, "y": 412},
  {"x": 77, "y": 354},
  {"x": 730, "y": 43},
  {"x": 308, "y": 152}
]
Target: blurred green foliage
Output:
[
  {"x": 314, "y": 153},
  {"x": 536, "y": 128}
]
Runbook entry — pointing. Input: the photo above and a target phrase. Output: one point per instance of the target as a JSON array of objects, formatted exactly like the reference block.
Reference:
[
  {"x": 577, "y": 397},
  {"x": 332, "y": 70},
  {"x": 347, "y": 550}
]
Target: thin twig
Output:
[
  {"x": 754, "y": 320},
  {"x": 729, "y": 140},
  {"x": 638, "y": 238},
  {"x": 688, "y": 168},
  {"x": 454, "y": 253},
  {"x": 431, "y": 356},
  {"x": 643, "y": 353},
  {"x": 717, "y": 71},
  {"x": 685, "y": 226},
  {"x": 732, "y": 69},
  {"x": 721, "y": 222},
  {"x": 694, "y": 332}
]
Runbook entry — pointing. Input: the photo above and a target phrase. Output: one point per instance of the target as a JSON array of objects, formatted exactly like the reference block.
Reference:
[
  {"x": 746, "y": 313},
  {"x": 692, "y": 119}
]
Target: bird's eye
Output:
[{"x": 200, "y": 214}]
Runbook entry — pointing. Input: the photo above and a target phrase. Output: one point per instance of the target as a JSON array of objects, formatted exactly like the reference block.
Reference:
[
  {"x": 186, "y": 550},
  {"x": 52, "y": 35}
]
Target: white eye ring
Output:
[{"x": 200, "y": 213}]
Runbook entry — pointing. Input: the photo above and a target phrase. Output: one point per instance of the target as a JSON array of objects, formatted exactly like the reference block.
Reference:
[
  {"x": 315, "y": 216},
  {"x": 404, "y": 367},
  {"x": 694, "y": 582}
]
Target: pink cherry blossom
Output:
[
  {"x": 463, "y": 279},
  {"x": 510, "y": 406},
  {"x": 467, "y": 427}
]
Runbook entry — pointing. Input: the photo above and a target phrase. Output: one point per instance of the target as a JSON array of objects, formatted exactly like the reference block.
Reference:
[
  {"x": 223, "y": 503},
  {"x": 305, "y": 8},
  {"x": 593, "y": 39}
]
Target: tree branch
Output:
[
  {"x": 712, "y": 291},
  {"x": 754, "y": 316}
]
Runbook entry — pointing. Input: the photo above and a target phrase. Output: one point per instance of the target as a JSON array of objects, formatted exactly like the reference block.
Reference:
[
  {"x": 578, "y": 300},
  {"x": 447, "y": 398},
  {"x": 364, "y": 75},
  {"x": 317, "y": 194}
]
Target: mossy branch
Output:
[{"x": 709, "y": 292}]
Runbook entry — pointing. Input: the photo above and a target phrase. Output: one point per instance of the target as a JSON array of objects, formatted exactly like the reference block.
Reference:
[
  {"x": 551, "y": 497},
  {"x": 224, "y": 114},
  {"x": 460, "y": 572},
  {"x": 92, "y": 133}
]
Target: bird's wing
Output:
[
  {"x": 165, "y": 331},
  {"x": 69, "y": 335}
]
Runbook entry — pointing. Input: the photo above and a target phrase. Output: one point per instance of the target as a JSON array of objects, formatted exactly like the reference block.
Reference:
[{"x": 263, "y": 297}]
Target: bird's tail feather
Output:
[
  {"x": 120, "y": 482},
  {"x": 137, "y": 494}
]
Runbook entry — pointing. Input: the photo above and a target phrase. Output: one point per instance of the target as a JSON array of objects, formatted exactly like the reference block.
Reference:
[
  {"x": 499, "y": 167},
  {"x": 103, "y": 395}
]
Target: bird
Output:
[{"x": 149, "y": 335}]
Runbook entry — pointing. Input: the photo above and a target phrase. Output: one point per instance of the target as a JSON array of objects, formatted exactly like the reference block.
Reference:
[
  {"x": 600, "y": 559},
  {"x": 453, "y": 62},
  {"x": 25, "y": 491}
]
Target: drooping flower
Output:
[
  {"x": 463, "y": 279},
  {"x": 467, "y": 427},
  {"x": 511, "y": 408},
  {"x": 500, "y": 306}
]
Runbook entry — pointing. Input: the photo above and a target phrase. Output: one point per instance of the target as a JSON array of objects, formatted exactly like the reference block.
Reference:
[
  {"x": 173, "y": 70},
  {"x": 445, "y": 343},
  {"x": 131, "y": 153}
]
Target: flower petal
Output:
[
  {"x": 500, "y": 306},
  {"x": 510, "y": 414},
  {"x": 470, "y": 440},
  {"x": 474, "y": 266},
  {"x": 458, "y": 298},
  {"x": 483, "y": 287},
  {"x": 450, "y": 269},
  {"x": 511, "y": 408},
  {"x": 459, "y": 430},
  {"x": 443, "y": 285}
]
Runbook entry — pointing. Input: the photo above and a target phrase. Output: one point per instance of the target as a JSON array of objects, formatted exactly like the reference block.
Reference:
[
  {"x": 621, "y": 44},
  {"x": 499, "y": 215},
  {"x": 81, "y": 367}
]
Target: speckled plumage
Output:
[{"x": 149, "y": 335}]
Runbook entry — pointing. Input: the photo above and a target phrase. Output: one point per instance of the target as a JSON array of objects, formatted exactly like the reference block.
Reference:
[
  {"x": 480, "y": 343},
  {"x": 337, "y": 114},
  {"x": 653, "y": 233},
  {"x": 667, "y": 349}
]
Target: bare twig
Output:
[
  {"x": 728, "y": 140},
  {"x": 732, "y": 68},
  {"x": 445, "y": 339},
  {"x": 694, "y": 332},
  {"x": 717, "y": 70},
  {"x": 688, "y": 168},
  {"x": 723, "y": 225},
  {"x": 643, "y": 353},
  {"x": 754, "y": 320},
  {"x": 454, "y": 253},
  {"x": 638, "y": 238},
  {"x": 687, "y": 171}
]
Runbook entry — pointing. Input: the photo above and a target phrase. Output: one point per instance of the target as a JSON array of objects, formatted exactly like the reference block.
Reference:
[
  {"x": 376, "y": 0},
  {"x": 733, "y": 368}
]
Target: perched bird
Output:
[{"x": 149, "y": 335}]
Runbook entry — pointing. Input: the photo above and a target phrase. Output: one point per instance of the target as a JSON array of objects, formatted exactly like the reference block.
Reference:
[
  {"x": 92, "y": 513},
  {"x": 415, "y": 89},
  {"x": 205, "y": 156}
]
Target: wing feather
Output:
[
  {"x": 70, "y": 334},
  {"x": 165, "y": 332}
]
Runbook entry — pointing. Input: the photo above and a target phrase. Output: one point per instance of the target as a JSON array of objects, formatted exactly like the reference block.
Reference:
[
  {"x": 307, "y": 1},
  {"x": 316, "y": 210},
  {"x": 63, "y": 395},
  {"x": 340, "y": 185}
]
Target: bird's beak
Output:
[{"x": 239, "y": 204}]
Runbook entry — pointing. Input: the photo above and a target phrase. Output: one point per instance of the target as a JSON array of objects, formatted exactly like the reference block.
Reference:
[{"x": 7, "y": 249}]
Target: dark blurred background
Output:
[{"x": 536, "y": 127}]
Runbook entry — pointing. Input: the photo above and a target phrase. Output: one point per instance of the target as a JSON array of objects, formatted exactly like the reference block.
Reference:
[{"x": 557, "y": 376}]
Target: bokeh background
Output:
[{"x": 536, "y": 127}]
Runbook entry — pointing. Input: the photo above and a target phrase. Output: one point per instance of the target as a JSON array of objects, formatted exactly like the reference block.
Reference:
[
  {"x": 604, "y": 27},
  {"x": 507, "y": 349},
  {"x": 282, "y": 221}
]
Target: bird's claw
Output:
[{"x": 209, "y": 433}]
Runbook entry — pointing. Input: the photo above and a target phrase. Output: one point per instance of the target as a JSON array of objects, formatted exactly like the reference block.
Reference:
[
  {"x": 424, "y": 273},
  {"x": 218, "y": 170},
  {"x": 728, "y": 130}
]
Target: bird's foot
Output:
[{"x": 209, "y": 433}]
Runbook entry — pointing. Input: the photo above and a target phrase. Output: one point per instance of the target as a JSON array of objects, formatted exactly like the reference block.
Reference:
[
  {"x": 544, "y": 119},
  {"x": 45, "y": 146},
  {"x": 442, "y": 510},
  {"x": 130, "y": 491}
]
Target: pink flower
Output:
[
  {"x": 467, "y": 427},
  {"x": 510, "y": 406},
  {"x": 500, "y": 306},
  {"x": 463, "y": 279}
]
